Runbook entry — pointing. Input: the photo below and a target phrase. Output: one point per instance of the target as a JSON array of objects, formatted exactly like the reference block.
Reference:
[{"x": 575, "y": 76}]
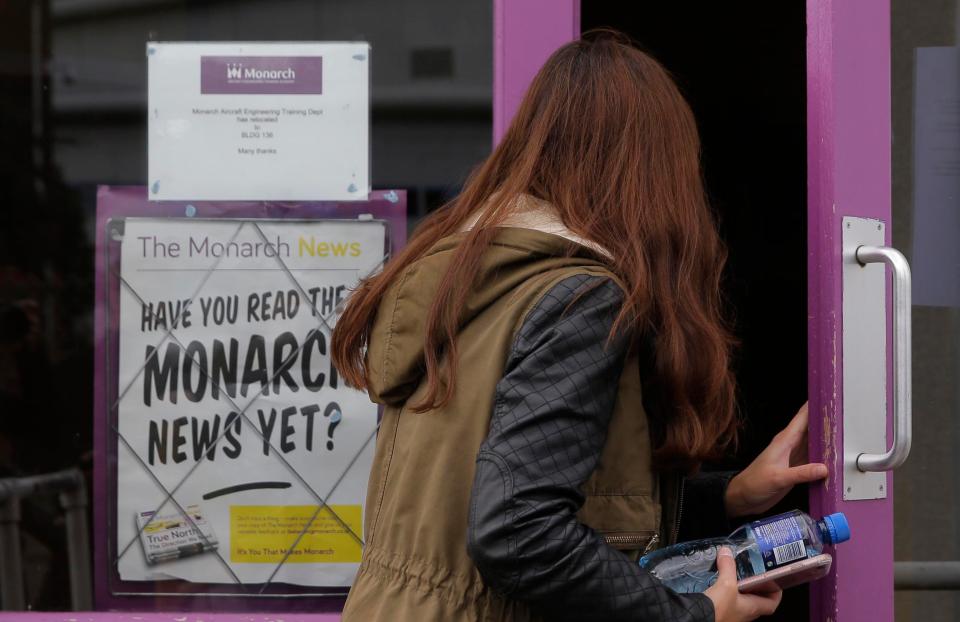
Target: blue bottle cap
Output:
[{"x": 837, "y": 527}]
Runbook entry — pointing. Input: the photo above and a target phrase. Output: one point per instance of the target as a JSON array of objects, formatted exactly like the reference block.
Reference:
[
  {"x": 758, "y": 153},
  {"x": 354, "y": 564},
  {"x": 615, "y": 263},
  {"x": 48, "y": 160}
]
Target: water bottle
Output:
[{"x": 758, "y": 547}]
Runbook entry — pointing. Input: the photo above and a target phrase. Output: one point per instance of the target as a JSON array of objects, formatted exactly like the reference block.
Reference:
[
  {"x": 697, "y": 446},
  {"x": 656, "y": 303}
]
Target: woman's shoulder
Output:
[{"x": 580, "y": 301}]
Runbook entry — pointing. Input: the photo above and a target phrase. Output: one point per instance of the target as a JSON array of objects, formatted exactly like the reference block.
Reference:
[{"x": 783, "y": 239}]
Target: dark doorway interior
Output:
[{"x": 741, "y": 66}]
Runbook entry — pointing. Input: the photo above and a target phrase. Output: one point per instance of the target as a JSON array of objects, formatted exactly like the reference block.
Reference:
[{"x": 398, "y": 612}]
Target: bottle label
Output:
[{"x": 780, "y": 539}]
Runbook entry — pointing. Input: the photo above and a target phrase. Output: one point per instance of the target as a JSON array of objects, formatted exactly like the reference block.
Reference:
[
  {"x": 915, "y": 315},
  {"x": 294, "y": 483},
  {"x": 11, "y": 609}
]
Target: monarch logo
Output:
[
  {"x": 236, "y": 72},
  {"x": 261, "y": 74}
]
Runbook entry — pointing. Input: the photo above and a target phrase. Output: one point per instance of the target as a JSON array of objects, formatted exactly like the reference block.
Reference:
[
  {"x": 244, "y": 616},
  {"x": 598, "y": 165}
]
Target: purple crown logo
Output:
[{"x": 234, "y": 71}]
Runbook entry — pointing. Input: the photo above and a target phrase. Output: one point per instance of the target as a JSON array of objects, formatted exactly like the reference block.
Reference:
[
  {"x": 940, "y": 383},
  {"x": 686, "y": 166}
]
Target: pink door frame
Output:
[
  {"x": 848, "y": 153},
  {"x": 848, "y": 163}
]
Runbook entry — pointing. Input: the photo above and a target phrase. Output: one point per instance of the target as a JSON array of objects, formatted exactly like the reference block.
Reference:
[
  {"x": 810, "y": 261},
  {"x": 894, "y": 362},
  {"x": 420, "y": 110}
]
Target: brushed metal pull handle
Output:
[{"x": 902, "y": 361}]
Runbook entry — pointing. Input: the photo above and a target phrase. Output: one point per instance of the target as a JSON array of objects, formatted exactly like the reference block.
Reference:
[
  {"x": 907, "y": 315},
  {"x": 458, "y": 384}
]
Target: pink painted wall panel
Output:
[{"x": 526, "y": 32}]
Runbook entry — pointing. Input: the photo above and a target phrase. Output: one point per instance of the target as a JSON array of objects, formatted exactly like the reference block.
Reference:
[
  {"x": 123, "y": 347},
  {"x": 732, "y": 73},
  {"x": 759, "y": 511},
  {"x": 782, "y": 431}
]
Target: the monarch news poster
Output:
[{"x": 233, "y": 426}]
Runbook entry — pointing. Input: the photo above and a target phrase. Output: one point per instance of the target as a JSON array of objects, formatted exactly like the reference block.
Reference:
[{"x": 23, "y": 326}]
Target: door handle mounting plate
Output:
[{"x": 864, "y": 359}]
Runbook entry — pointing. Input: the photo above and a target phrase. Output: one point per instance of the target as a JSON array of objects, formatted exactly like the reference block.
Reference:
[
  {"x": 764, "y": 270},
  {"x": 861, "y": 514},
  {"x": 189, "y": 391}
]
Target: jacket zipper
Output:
[
  {"x": 676, "y": 523},
  {"x": 627, "y": 539},
  {"x": 652, "y": 544},
  {"x": 651, "y": 540}
]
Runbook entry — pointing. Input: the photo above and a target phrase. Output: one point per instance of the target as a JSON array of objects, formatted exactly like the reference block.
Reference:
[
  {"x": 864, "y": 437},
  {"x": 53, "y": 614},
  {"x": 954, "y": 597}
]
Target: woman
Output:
[{"x": 554, "y": 365}]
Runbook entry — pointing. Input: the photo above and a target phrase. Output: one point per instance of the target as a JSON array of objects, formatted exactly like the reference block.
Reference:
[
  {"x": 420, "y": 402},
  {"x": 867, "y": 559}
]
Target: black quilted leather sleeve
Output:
[{"x": 551, "y": 414}]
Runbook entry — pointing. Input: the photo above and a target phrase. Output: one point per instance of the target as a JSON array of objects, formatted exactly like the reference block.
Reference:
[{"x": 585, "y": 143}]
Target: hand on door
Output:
[{"x": 780, "y": 467}]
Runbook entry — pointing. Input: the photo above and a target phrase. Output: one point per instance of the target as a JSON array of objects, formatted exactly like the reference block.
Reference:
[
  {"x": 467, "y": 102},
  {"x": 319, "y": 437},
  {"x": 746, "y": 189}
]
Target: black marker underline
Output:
[{"x": 229, "y": 490}]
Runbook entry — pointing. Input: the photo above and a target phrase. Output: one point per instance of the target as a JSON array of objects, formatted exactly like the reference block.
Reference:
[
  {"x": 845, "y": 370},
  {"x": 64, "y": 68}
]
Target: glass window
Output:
[
  {"x": 73, "y": 116},
  {"x": 926, "y": 224}
]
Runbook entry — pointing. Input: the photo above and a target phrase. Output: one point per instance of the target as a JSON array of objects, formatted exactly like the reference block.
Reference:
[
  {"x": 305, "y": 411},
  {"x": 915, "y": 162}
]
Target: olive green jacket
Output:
[{"x": 416, "y": 565}]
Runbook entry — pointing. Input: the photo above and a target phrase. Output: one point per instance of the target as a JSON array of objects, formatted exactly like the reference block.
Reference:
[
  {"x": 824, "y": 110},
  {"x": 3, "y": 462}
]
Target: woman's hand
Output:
[
  {"x": 781, "y": 466},
  {"x": 729, "y": 605}
]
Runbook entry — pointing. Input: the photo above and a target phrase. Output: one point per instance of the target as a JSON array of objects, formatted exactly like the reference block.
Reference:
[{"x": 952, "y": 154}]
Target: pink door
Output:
[{"x": 748, "y": 71}]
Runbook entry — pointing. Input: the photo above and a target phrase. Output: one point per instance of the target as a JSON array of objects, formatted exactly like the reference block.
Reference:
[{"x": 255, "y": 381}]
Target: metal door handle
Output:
[{"x": 902, "y": 380}]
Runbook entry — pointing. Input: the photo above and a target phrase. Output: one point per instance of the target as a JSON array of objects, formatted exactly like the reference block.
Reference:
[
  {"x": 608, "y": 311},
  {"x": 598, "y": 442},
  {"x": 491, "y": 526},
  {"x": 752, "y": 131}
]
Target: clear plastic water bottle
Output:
[{"x": 758, "y": 547}]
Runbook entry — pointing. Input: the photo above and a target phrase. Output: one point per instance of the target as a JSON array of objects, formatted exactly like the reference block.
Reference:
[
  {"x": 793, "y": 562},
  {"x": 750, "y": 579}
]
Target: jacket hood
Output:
[{"x": 395, "y": 355}]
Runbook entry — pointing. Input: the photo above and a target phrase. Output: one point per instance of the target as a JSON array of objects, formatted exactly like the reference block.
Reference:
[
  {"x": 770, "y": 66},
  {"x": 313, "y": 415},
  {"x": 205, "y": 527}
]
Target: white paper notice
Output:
[
  {"x": 258, "y": 121},
  {"x": 239, "y": 412}
]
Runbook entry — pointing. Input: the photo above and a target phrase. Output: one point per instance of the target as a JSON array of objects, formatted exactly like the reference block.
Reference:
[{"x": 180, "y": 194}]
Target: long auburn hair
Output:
[{"x": 604, "y": 135}]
